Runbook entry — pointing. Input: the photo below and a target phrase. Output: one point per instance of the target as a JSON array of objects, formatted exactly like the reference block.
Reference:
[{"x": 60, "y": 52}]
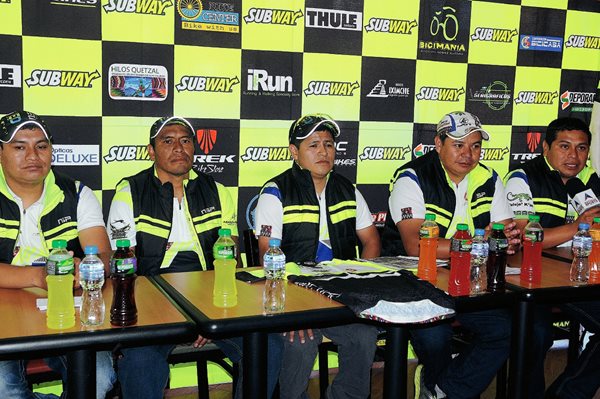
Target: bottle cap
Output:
[
  {"x": 534, "y": 218},
  {"x": 91, "y": 250},
  {"x": 274, "y": 242},
  {"x": 497, "y": 226},
  {"x": 479, "y": 232},
  {"x": 462, "y": 227},
  {"x": 429, "y": 216},
  {"x": 59, "y": 244},
  {"x": 596, "y": 220},
  {"x": 584, "y": 226},
  {"x": 224, "y": 232},
  {"x": 123, "y": 243}
]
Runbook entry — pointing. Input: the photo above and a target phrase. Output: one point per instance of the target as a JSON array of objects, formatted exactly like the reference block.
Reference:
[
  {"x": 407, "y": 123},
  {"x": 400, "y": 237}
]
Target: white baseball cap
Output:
[{"x": 458, "y": 125}]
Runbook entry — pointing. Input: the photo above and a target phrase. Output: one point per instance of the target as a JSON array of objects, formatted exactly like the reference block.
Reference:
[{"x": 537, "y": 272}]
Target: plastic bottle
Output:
[
  {"x": 274, "y": 265},
  {"x": 60, "y": 268},
  {"x": 123, "y": 265},
  {"x": 428, "y": 240},
  {"x": 479, "y": 255},
  {"x": 496, "y": 264},
  {"x": 531, "y": 262},
  {"x": 91, "y": 278},
  {"x": 460, "y": 261},
  {"x": 224, "y": 289},
  {"x": 595, "y": 255},
  {"x": 581, "y": 247}
]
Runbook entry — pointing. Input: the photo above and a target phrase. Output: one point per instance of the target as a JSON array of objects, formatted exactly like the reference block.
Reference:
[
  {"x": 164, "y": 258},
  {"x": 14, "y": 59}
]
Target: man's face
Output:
[
  {"x": 173, "y": 151},
  {"x": 316, "y": 153},
  {"x": 568, "y": 153},
  {"x": 459, "y": 157},
  {"x": 26, "y": 158}
]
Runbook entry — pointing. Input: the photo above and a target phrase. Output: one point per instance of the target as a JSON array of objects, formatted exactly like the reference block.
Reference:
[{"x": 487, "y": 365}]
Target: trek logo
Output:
[
  {"x": 533, "y": 140},
  {"x": 80, "y": 3},
  {"x": 384, "y": 153},
  {"x": 207, "y": 83},
  {"x": 333, "y": 19},
  {"x": 493, "y": 154},
  {"x": 573, "y": 97},
  {"x": 494, "y": 35},
  {"x": 53, "y": 78},
  {"x": 127, "y": 153},
  {"x": 260, "y": 80},
  {"x": 440, "y": 93},
  {"x": 10, "y": 75},
  {"x": 382, "y": 91},
  {"x": 267, "y": 154},
  {"x": 580, "y": 41},
  {"x": 148, "y": 7},
  {"x": 207, "y": 162},
  {"x": 330, "y": 88},
  {"x": 206, "y": 139},
  {"x": 398, "y": 26},
  {"x": 536, "y": 97},
  {"x": 273, "y": 16},
  {"x": 422, "y": 149}
]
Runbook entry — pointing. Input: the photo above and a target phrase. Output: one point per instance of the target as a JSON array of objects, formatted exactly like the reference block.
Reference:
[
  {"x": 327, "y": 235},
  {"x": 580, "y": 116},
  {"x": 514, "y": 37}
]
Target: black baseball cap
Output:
[
  {"x": 10, "y": 124},
  {"x": 167, "y": 121},
  {"x": 308, "y": 124}
]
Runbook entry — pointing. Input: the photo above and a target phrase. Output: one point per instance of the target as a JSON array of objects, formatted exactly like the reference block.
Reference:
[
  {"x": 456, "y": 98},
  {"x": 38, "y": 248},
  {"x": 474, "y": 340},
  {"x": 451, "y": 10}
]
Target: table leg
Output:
[
  {"x": 81, "y": 374},
  {"x": 395, "y": 370},
  {"x": 254, "y": 367},
  {"x": 518, "y": 366}
]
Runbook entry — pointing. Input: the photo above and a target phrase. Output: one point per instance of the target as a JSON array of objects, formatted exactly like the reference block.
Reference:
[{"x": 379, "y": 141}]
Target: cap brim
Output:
[
  {"x": 330, "y": 126},
  {"x": 174, "y": 120},
  {"x": 484, "y": 135},
  {"x": 20, "y": 126}
]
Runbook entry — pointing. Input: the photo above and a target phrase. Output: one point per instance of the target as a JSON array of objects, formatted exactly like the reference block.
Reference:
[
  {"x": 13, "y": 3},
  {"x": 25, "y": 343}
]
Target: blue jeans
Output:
[
  {"x": 581, "y": 379},
  {"x": 13, "y": 383}
]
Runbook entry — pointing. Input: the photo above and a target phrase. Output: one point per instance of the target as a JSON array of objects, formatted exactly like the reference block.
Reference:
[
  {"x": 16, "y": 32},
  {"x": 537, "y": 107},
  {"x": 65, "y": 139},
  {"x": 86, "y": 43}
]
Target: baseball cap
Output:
[
  {"x": 308, "y": 124},
  {"x": 10, "y": 124},
  {"x": 458, "y": 125},
  {"x": 169, "y": 120}
]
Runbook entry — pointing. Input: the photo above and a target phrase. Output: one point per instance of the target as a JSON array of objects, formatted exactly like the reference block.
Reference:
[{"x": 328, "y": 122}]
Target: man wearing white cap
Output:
[{"x": 451, "y": 183}]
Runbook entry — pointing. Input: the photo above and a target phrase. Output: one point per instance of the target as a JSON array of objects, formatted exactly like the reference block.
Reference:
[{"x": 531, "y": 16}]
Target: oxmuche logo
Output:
[
  {"x": 493, "y": 154},
  {"x": 494, "y": 35},
  {"x": 57, "y": 78},
  {"x": 440, "y": 93},
  {"x": 536, "y": 97},
  {"x": 330, "y": 88},
  {"x": 150, "y": 7},
  {"x": 127, "y": 153},
  {"x": 398, "y": 26},
  {"x": 384, "y": 153},
  {"x": 580, "y": 41},
  {"x": 207, "y": 83},
  {"x": 273, "y": 16},
  {"x": 262, "y": 154}
]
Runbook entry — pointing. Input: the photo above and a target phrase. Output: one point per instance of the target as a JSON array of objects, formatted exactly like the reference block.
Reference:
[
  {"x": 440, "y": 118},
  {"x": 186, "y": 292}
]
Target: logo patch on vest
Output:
[
  {"x": 64, "y": 219},
  {"x": 118, "y": 229},
  {"x": 407, "y": 213},
  {"x": 265, "y": 230},
  {"x": 480, "y": 195}
]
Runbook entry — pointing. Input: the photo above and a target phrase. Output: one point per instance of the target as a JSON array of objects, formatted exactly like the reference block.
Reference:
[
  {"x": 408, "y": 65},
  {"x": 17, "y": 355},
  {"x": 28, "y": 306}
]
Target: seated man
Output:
[
  {"x": 331, "y": 218},
  {"x": 539, "y": 187},
  {"x": 35, "y": 198},
  {"x": 189, "y": 208},
  {"x": 451, "y": 183}
]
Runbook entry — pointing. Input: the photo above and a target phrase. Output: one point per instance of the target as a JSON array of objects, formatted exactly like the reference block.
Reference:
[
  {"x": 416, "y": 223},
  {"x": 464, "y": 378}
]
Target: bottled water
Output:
[
  {"x": 91, "y": 278},
  {"x": 274, "y": 266},
  {"x": 479, "y": 255},
  {"x": 581, "y": 247}
]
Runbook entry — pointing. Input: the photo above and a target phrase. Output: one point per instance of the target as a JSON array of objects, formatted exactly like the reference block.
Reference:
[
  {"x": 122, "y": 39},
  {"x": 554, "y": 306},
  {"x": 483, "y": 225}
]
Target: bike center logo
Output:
[
  {"x": 330, "y": 88},
  {"x": 127, "y": 153},
  {"x": 422, "y": 149},
  {"x": 262, "y": 154},
  {"x": 493, "y": 154},
  {"x": 580, "y": 41},
  {"x": 496, "y": 95},
  {"x": 444, "y": 28},
  {"x": 214, "y": 84},
  {"x": 273, "y": 16},
  {"x": 57, "y": 78},
  {"x": 207, "y": 162},
  {"x": 397, "y": 26},
  {"x": 382, "y": 90},
  {"x": 540, "y": 43},
  {"x": 568, "y": 98},
  {"x": 494, "y": 35},
  {"x": 536, "y": 97},
  {"x": 215, "y": 16},
  {"x": 440, "y": 93},
  {"x": 333, "y": 19},
  {"x": 148, "y": 7},
  {"x": 532, "y": 140},
  {"x": 384, "y": 153}
]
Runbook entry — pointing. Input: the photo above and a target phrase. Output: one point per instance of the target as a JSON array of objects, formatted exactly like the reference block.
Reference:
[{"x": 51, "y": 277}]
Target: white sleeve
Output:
[
  {"x": 121, "y": 224},
  {"x": 406, "y": 199},
  {"x": 518, "y": 195},
  {"x": 89, "y": 211},
  {"x": 363, "y": 213},
  {"x": 268, "y": 217},
  {"x": 500, "y": 208}
]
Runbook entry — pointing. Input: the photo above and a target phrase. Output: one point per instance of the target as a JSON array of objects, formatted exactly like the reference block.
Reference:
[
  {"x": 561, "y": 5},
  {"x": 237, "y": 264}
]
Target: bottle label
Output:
[
  {"x": 534, "y": 236},
  {"x": 429, "y": 232},
  {"x": 479, "y": 249},
  {"x": 498, "y": 244},
  {"x": 224, "y": 252},
  {"x": 125, "y": 266},
  {"x": 461, "y": 245},
  {"x": 62, "y": 267}
]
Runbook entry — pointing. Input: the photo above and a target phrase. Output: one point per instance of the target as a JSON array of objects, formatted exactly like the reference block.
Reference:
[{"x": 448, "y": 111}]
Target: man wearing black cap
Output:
[
  {"x": 542, "y": 186},
  {"x": 35, "y": 202},
  {"x": 172, "y": 215},
  {"x": 330, "y": 217}
]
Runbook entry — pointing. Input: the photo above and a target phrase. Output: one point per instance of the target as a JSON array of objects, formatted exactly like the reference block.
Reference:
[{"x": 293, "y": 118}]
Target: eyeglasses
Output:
[{"x": 316, "y": 120}]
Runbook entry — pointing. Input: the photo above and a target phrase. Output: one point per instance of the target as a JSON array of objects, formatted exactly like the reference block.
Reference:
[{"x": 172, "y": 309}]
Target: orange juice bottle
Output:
[
  {"x": 428, "y": 241},
  {"x": 595, "y": 255}
]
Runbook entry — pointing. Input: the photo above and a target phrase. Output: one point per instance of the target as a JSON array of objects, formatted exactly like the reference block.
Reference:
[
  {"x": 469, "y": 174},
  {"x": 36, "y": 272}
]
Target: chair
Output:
[
  {"x": 38, "y": 372},
  {"x": 251, "y": 248}
]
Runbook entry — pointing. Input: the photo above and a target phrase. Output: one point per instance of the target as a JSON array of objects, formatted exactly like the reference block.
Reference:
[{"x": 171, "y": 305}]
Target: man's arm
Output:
[
  {"x": 22, "y": 276},
  {"x": 409, "y": 231},
  {"x": 97, "y": 236},
  {"x": 371, "y": 244}
]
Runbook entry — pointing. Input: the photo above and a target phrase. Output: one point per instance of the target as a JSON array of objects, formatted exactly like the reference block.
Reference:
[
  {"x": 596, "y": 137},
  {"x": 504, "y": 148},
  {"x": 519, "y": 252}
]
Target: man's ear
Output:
[
  {"x": 151, "y": 153},
  {"x": 294, "y": 151},
  {"x": 545, "y": 148},
  {"x": 438, "y": 143}
]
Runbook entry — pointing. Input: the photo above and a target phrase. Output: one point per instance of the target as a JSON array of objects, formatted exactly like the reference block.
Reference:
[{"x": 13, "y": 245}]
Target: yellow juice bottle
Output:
[
  {"x": 224, "y": 289},
  {"x": 60, "y": 268}
]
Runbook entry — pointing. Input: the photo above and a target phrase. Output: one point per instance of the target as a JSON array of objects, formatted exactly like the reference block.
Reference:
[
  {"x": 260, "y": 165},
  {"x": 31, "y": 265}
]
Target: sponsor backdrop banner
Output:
[{"x": 101, "y": 71}]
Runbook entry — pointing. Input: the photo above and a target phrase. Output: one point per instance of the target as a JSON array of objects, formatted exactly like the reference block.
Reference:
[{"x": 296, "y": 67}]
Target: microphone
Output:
[{"x": 582, "y": 198}]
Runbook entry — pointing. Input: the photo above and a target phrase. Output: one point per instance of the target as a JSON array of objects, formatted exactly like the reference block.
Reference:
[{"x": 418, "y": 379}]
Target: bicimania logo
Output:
[
  {"x": 536, "y": 97},
  {"x": 581, "y": 41},
  {"x": 273, "y": 16},
  {"x": 333, "y": 19},
  {"x": 494, "y": 35},
  {"x": 422, "y": 149},
  {"x": 127, "y": 153},
  {"x": 149, "y": 7},
  {"x": 440, "y": 93},
  {"x": 385, "y": 25},
  {"x": 57, "y": 78},
  {"x": 493, "y": 154},
  {"x": 384, "y": 153},
  {"x": 267, "y": 154},
  {"x": 577, "y": 97},
  {"x": 330, "y": 88},
  {"x": 215, "y": 84}
]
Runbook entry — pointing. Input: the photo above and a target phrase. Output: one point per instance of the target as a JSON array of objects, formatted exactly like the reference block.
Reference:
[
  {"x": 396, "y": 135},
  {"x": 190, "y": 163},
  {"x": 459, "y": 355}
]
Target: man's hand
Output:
[
  {"x": 588, "y": 216},
  {"x": 301, "y": 335},
  {"x": 200, "y": 342},
  {"x": 76, "y": 262},
  {"x": 513, "y": 234}
]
